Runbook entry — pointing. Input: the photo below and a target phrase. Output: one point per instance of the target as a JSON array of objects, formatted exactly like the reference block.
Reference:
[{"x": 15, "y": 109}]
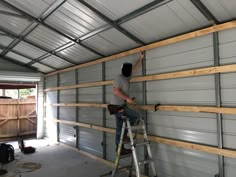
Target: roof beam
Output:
[
  {"x": 205, "y": 11},
  {"x": 112, "y": 23},
  {"x": 32, "y": 59},
  {"x": 32, "y": 44},
  {"x": 41, "y": 22},
  {"x": 142, "y": 10}
]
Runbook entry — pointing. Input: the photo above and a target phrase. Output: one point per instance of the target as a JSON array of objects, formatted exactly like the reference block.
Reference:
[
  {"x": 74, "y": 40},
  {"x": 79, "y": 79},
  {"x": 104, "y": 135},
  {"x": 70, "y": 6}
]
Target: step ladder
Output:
[{"x": 134, "y": 145}]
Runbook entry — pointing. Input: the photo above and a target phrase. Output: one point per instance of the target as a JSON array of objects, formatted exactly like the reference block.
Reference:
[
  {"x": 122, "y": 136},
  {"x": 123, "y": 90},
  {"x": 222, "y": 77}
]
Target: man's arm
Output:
[
  {"x": 136, "y": 66},
  {"x": 121, "y": 95}
]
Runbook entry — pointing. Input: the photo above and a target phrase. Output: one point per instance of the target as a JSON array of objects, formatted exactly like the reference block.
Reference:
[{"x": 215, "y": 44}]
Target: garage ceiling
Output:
[{"x": 50, "y": 35}]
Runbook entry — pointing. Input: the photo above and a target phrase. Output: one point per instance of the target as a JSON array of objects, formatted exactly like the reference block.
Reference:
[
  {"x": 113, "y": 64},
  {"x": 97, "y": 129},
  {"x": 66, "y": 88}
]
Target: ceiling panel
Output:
[
  {"x": 12, "y": 23},
  {"x": 75, "y": 19},
  {"x": 34, "y": 8},
  {"x": 78, "y": 54},
  {"x": 174, "y": 18},
  {"x": 55, "y": 62},
  {"x": 115, "y": 9},
  {"x": 42, "y": 68},
  {"x": 223, "y": 10},
  {"x": 110, "y": 42},
  {"x": 5, "y": 40},
  {"x": 18, "y": 57},
  {"x": 28, "y": 50},
  {"x": 47, "y": 38}
]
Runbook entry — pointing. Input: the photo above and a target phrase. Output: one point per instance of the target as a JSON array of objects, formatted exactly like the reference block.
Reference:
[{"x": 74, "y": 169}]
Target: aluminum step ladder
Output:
[{"x": 134, "y": 145}]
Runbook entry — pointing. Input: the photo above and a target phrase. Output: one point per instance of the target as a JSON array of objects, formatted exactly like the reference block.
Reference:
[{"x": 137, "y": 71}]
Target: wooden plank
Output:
[
  {"x": 206, "y": 109},
  {"x": 172, "y": 75},
  {"x": 201, "y": 32},
  {"x": 202, "y": 148},
  {"x": 3, "y": 122}
]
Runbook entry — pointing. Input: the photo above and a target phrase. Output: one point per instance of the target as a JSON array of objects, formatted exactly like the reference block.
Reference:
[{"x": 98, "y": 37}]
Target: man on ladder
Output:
[
  {"x": 120, "y": 95},
  {"x": 126, "y": 117}
]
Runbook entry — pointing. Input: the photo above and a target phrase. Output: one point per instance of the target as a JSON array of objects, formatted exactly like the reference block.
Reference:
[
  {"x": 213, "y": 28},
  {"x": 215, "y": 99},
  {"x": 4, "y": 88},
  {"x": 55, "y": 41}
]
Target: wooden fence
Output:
[{"x": 17, "y": 118}]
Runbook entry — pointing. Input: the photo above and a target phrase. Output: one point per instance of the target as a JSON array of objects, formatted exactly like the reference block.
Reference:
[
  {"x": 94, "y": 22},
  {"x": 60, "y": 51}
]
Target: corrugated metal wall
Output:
[
  {"x": 228, "y": 89},
  {"x": 200, "y": 128}
]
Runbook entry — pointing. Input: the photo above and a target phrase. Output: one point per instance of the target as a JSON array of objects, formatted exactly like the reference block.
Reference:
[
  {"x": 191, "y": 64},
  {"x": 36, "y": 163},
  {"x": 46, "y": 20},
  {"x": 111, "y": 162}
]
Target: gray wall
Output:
[{"x": 200, "y": 128}]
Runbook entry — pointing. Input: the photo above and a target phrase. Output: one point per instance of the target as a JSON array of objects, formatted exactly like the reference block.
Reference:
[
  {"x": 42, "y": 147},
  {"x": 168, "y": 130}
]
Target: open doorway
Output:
[{"x": 17, "y": 111}]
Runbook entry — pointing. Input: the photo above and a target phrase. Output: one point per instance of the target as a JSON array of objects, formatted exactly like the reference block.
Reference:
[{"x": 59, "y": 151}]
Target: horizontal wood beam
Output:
[
  {"x": 187, "y": 145},
  {"x": 201, "y": 32},
  {"x": 205, "y": 109},
  {"x": 172, "y": 75}
]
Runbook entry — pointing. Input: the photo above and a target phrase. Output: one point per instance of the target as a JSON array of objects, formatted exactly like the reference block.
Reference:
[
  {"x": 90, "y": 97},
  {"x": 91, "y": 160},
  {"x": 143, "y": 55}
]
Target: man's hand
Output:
[{"x": 130, "y": 101}]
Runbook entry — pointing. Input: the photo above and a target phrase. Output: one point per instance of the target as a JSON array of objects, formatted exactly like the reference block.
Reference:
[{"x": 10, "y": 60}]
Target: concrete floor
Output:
[{"x": 56, "y": 161}]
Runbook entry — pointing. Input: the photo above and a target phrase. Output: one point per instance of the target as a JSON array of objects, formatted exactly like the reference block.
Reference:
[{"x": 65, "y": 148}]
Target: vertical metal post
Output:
[
  {"x": 144, "y": 84},
  {"x": 44, "y": 107},
  {"x": 77, "y": 109},
  {"x": 104, "y": 111},
  {"x": 218, "y": 102},
  {"x": 58, "y": 108}
]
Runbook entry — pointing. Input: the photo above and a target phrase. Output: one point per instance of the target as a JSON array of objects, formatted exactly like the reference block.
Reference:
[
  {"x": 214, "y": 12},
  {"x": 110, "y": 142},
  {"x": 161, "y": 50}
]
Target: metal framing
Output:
[
  {"x": 104, "y": 111},
  {"x": 112, "y": 23},
  {"x": 58, "y": 108},
  {"x": 130, "y": 16},
  {"x": 77, "y": 109},
  {"x": 218, "y": 103},
  {"x": 205, "y": 11},
  {"x": 41, "y": 22}
]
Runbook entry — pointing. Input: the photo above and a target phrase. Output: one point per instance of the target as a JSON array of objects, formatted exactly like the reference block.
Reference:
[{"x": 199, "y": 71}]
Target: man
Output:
[{"x": 121, "y": 96}]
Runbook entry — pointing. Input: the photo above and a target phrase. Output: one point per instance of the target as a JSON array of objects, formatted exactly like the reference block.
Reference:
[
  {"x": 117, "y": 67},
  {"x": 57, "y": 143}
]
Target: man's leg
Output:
[
  {"x": 132, "y": 115},
  {"x": 119, "y": 123}
]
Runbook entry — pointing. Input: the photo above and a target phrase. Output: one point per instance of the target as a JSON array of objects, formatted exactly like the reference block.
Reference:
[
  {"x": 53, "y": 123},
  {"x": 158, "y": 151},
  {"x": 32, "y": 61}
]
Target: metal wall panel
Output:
[
  {"x": 90, "y": 140},
  {"x": 28, "y": 50},
  {"x": 222, "y": 10},
  {"x": 109, "y": 42},
  {"x": 18, "y": 57},
  {"x": 179, "y": 17},
  {"x": 230, "y": 167},
  {"x": 68, "y": 78},
  {"x": 74, "y": 19},
  {"x": 5, "y": 40},
  {"x": 47, "y": 38},
  {"x": 10, "y": 66},
  {"x": 13, "y": 23},
  {"x": 186, "y": 126},
  {"x": 56, "y": 62},
  {"x": 35, "y": 8},
  {"x": 115, "y": 9},
  {"x": 42, "y": 68},
  {"x": 78, "y": 54},
  {"x": 68, "y": 135}
]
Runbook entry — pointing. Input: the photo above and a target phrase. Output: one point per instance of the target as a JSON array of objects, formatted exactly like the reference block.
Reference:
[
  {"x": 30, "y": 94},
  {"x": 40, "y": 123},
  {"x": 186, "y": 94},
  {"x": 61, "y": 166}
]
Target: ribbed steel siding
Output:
[
  {"x": 47, "y": 38},
  {"x": 35, "y": 8},
  {"x": 78, "y": 54},
  {"x": 90, "y": 140},
  {"x": 222, "y": 10},
  {"x": 18, "y": 57},
  {"x": 67, "y": 132},
  {"x": 9, "y": 66},
  {"x": 115, "y": 9},
  {"x": 13, "y": 24},
  {"x": 40, "y": 109},
  {"x": 5, "y": 40},
  {"x": 228, "y": 89},
  {"x": 186, "y": 126},
  {"x": 168, "y": 20},
  {"x": 110, "y": 42},
  {"x": 42, "y": 68},
  {"x": 56, "y": 62},
  {"x": 28, "y": 50},
  {"x": 113, "y": 68},
  {"x": 74, "y": 19},
  {"x": 51, "y": 112}
]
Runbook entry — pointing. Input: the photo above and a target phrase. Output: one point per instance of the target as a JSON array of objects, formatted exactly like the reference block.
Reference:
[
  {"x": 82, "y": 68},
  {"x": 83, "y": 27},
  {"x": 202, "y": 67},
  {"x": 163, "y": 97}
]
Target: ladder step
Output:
[
  {"x": 145, "y": 162},
  {"x": 142, "y": 143},
  {"x": 137, "y": 127}
]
